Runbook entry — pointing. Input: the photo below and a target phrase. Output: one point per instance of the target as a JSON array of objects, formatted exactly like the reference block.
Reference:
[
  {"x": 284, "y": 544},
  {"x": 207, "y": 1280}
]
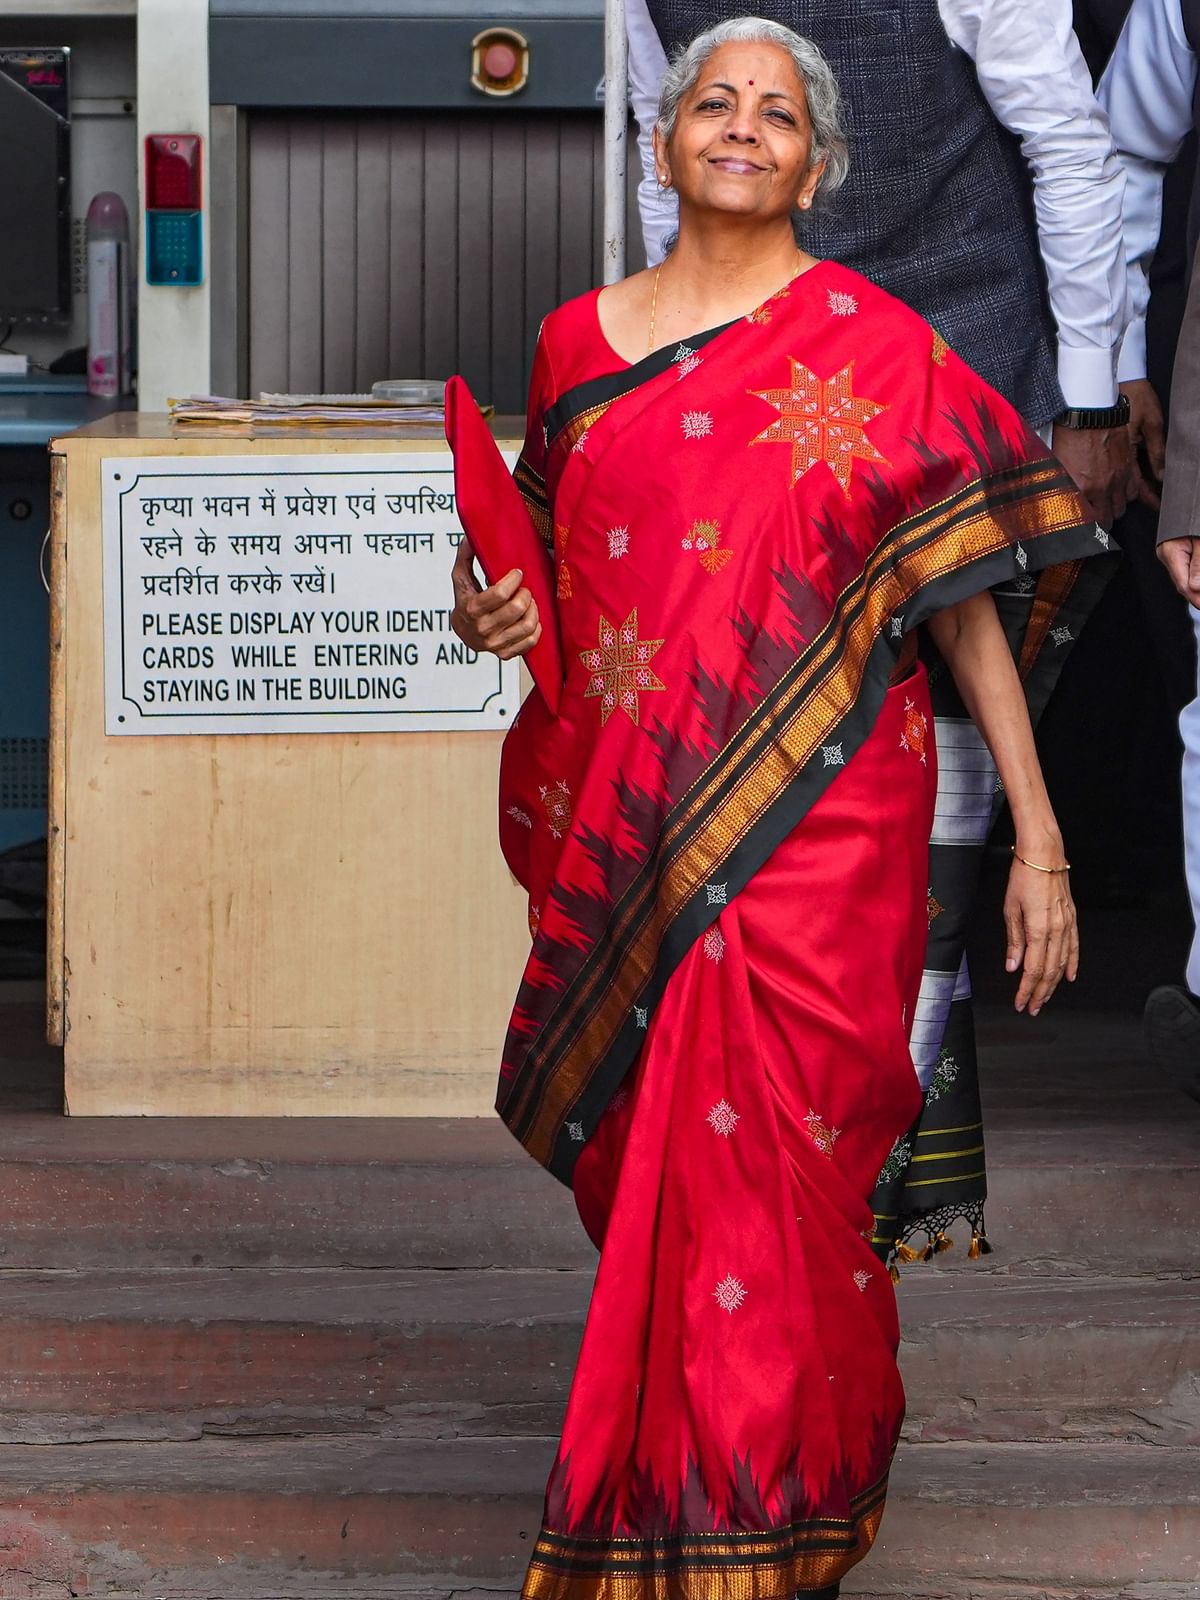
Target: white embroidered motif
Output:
[
  {"x": 1023, "y": 585},
  {"x": 862, "y": 1278},
  {"x": 689, "y": 364},
  {"x": 714, "y": 944},
  {"x": 729, "y": 1293},
  {"x": 833, "y": 755},
  {"x": 822, "y": 1136},
  {"x": 577, "y": 447},
  {"x": 723, "y": 1119},
  {"x": 683, "y": 352},
  {"x": 520, "y": 816},
  {"x": 1061, "y": 636},
  {"x": 1102, "y": 538},
  {"x": 641, "y": 1016},
  {"x": 1021, "y": 557},
  {"x": 716, "y": 894},
  {"x": 842, "y": 304},
  {"x": 945, "y": 1074},
  {"x": 897, "y": 627},
  {"x": 696, "y": 424},
  {"x": 575, "y": 1129},
  {"x": 618, "y": 543},
  {"x": 620, "y": 1100}
]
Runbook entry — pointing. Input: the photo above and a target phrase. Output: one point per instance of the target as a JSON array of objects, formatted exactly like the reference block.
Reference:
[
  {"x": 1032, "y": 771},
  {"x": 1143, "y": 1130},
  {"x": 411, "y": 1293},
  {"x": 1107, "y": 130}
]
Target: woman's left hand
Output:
[{"x": 1043, "y": 935}]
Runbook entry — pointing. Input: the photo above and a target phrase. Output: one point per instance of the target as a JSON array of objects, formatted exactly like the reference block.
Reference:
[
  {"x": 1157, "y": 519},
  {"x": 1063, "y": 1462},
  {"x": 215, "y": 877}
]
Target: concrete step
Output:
[
  {"x": 1094, "y": 1163},
  {"x": 1113, "y": 1192},
  {"x": 178, "y": 1355},
  {"x": 359, "y": 1520}
]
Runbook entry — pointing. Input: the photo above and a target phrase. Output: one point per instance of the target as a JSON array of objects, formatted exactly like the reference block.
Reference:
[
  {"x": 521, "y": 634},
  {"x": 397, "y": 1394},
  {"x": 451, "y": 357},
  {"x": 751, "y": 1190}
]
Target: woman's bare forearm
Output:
[{"x": 973, "y": 645}]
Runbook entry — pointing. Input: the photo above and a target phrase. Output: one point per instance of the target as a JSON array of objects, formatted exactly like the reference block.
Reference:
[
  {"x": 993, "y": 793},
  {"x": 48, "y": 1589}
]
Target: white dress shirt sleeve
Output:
[
  {"x": 1147, "y": 92},
  {"x": 1035, "y": 79},
  {"x": 659, "y": 209}
]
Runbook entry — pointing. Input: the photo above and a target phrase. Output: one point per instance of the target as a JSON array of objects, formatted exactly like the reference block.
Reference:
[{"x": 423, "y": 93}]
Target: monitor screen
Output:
[{"x": 35, "y": 189}]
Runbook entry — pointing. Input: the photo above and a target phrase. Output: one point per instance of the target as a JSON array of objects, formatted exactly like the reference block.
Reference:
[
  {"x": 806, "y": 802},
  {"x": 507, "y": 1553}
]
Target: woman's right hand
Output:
[{"x": 502, "y": 619}]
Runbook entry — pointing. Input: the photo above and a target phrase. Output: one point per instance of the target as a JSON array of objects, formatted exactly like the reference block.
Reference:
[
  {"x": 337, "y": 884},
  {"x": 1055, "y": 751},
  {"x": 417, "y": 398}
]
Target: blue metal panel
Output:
[
  {"x": 24, "y": 646},
  {"x": 387, "y": 58},
  {"x": 35, "y": 410}
]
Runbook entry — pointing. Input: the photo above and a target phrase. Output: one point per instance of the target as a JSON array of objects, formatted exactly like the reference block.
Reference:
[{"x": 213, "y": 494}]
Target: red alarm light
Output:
[
  {"x": 499, "y": 61},
  {"x": 173, "y": 172}
]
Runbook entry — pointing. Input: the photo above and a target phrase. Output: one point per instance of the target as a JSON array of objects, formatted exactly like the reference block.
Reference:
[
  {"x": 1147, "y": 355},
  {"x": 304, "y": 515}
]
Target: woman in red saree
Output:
[{"x": 724, "y": 833}]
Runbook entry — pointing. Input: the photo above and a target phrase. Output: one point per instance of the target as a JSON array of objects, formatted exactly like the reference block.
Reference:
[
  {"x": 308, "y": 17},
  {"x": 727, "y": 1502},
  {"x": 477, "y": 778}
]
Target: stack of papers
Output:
[{"x": 274, "y": 410}]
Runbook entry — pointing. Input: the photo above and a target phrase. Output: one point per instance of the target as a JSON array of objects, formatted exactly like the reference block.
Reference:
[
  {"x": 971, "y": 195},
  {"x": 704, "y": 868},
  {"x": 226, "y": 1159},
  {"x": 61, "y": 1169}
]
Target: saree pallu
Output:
[{"x": 725, "y": 838}]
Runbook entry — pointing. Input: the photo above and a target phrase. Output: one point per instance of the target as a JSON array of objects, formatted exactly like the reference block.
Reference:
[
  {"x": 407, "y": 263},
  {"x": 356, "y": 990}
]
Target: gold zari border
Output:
[
  {"x": 741, "y": 1577},
  {"x": 958, "y": 532}
]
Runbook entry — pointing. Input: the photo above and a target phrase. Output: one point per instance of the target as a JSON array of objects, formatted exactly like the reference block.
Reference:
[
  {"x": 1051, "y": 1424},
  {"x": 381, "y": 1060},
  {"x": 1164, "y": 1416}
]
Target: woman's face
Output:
[{"x": 742, "y": 138}]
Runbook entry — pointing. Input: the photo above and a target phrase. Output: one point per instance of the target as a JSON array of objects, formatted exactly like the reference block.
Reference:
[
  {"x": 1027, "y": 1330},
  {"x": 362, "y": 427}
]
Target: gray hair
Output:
[{"x": 829, "y": 143}]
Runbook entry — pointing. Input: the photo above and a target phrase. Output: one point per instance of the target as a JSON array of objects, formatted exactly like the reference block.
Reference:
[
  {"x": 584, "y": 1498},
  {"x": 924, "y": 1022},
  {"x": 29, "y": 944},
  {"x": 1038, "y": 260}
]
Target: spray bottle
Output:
[{"x": 109, "y": 342}]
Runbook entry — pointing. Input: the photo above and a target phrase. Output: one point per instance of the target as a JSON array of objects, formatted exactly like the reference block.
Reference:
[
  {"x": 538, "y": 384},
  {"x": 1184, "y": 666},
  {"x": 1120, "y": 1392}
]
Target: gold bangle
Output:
[{"x": 1066, "y": 866}]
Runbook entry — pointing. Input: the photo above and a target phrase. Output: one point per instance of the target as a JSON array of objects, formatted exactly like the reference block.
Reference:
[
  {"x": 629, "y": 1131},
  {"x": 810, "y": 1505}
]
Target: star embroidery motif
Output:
[
  {"x": 833, "y": 755},
  {"x": 696, "y": 424},
  {"x": 842, "y": 304},
  {"x": 717, "y": 895},
  {"x": 729, "y": 1293},
  {"x": 618, "y": 542},
  {"x": 916, "y": 727},
  {"x": 862, "y": 1278},
  {"x": 714, "y": 944},
  {"x": 619, "y": 668},
  {"x": 1061, "y": 636},
  {"x": 723, "y": 1119},
  {"x": 822, "y": 420},
  {"x": 641, "y": 1015},
  {"x": 557, "y": 801},
  {"x": 575, "y": 1129},
  {"x": 897, "y": 627},
  {"x": 823, "y": 1136},
  {"x": 1021, "y": 556}
]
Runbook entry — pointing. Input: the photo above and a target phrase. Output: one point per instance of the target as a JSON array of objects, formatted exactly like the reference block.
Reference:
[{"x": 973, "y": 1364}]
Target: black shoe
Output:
[{"x": 1172, "y": 1021}]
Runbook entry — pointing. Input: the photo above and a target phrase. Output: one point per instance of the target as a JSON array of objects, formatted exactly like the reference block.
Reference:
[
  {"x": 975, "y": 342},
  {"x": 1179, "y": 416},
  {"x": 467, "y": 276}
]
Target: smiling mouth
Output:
[{"x": 734, "y": 164}]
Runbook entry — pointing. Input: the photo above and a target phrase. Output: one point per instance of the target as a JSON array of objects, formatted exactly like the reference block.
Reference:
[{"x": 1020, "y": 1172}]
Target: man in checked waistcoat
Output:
[{"x": 984, "y": 190}]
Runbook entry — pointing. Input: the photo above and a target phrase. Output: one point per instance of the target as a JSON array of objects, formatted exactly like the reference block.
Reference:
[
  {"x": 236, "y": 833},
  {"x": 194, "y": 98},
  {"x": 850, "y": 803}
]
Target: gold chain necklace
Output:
[
  {"x": 653, "y": 309},
  {"x": 654, "y": 296}
]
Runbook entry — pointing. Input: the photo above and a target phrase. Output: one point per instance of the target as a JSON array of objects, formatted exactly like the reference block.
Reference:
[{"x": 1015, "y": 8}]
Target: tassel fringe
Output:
[{"x": 934, "y": 1226}]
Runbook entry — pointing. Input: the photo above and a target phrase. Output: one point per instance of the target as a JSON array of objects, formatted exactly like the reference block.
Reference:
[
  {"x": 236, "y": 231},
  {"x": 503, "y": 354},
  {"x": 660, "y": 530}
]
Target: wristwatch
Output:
[{"x": 1095, "y": 416}]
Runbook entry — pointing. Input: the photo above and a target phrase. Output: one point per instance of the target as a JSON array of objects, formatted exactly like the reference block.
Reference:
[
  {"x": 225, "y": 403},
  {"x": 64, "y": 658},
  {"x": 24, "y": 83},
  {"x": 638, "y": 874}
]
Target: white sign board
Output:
[{"x": 288, "y": 594}]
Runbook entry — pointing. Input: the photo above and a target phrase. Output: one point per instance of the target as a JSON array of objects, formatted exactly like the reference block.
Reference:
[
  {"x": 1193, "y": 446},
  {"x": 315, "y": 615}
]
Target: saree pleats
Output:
[
  {"x": 725, "y": 834},
  {"x": 737, "y": 1400}
]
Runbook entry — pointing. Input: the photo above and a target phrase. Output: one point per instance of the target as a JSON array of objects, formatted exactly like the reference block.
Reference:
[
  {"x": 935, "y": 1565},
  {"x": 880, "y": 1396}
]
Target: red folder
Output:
[{"x": 498, "y": 524}]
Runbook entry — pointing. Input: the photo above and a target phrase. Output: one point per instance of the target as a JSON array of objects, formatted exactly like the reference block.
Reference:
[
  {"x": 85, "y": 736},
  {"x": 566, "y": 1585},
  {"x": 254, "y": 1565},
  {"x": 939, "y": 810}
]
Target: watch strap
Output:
[{"x": 1095, "y": 416}]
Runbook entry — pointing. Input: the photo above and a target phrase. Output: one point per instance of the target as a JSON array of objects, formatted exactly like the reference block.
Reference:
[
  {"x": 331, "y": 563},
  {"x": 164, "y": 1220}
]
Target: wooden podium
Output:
[{"x": 295, "y": 924}]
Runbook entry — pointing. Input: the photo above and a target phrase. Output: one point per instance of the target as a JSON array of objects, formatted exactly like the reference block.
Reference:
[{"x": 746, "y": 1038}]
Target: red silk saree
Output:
[{"x": 724, "y": 834}]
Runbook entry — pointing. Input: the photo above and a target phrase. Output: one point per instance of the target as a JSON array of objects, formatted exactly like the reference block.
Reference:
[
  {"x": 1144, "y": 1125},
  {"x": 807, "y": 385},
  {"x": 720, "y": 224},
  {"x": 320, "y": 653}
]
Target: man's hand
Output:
[
  {"x": 1147, "y": 432},
  {"x": 503, "y": 619},
  {"x": 1181, "y": 557},
  {"x": 1101, "y": 462}
]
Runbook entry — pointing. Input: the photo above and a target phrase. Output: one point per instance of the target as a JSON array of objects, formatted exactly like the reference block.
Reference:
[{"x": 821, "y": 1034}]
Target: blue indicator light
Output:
[{"x": 174, "y": 248}]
